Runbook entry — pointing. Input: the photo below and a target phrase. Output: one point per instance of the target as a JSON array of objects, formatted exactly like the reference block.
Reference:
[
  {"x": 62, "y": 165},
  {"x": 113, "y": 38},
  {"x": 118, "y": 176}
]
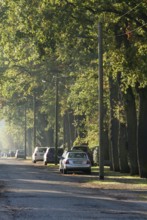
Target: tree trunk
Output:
[
  {"x": 106, "y": 148},
  {"x": 30, "y": 148},
  {"x": 131, "y": 117},
  {"x": 113, "y": 125},
  {"x": 142, "y": 133},
  {"x": 68, "y": 129},
  {"x": 50, "y": 137},
  {"x": 122, "y": 150}
]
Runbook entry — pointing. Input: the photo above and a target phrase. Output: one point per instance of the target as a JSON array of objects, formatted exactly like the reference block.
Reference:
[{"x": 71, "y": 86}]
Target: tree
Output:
[
  {"x": 43, "y": 38},
  {"x": 142, "y": 149}
]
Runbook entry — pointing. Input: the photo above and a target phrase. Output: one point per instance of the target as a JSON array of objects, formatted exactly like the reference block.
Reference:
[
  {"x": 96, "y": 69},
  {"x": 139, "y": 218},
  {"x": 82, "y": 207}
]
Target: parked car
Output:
[
  {"x": 49, "y": 156},
  {"x": 38, "y": 154},
  {"x": 11, "y": 153},
  {"x": 74, "y": 161},
  {"x": 20, "y": 154},
  {"x": 3, "y": 154},
  {"x": 86, "y": 149}
]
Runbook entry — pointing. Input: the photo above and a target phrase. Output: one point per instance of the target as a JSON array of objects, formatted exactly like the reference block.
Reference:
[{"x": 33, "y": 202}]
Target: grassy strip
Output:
[{"x": 117, "y": 178}]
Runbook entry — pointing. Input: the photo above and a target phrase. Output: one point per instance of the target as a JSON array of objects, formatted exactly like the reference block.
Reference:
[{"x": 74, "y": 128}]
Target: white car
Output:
[
  {"x": 75, "y": 161},
  {"x": 38, "y": 154}
]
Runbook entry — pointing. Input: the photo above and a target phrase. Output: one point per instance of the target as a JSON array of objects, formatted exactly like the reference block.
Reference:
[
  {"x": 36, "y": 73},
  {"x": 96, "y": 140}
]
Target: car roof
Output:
[
  {"x": 80, "y": 145},
  {"x": 40, "y": 147},
  {"x": 76, "y": 151}
]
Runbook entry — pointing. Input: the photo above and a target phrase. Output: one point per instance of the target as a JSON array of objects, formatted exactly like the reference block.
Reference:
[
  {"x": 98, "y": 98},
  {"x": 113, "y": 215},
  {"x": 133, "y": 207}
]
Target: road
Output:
[{"x": 33, "y": 191}]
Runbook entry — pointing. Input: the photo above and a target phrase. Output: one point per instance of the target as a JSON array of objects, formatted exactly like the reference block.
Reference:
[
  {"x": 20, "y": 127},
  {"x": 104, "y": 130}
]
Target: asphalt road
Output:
[{"x": 34, "y": 191}]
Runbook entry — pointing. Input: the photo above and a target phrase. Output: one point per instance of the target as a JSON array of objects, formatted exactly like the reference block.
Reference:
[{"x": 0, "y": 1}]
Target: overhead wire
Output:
[
  {"x": 129, "y": 11},
  {"x": 131, "y": 31},
  {"x": 126, "y": 14}
]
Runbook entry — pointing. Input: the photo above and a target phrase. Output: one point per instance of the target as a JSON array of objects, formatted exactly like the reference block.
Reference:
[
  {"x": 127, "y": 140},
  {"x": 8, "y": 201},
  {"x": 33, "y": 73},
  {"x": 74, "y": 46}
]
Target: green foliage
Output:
[{"x": 42, "y": 38}]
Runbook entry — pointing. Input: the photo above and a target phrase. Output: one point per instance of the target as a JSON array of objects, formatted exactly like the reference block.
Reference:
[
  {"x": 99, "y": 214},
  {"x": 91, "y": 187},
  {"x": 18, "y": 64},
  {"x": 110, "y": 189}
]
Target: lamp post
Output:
[
  {"x": 34, "y": 126},
  {"x": 100, "y": 73},
  {"x": 56, "y": 118},
  {"x": 25, "y": 115},
  {"x": 57, "y": 114}
]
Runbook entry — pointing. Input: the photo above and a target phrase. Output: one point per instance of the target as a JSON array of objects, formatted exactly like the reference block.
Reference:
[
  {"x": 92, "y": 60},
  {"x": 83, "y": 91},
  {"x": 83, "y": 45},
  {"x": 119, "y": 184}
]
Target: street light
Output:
[
  {"x": 25, "y": 115},
  {"x": 100, "y": 71},
  {"x": 57, "y": 114},
  {"x": 34, "y": 126},
  {"x": 56, "y": 119},
  {"x": 56, "y": 77}
]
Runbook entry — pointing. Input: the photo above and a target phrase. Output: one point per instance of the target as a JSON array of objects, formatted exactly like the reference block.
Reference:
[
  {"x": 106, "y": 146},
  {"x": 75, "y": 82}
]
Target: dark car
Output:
[
  {"x": 20, "y": 154},
  {"x": 86, "y": 149},
  {"x": 49, "y": 156},
  {"x": 11, "y": 153}
]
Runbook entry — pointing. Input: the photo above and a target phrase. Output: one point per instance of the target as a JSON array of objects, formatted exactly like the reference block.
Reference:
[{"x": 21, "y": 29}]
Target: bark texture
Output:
[{"x": 142, "y": 133}]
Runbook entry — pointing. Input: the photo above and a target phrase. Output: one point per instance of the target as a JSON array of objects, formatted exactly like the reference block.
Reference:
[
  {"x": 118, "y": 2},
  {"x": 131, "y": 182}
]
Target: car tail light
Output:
[
  {"x": 88, "y": 162},
  {"x": 66, "y": 161}
]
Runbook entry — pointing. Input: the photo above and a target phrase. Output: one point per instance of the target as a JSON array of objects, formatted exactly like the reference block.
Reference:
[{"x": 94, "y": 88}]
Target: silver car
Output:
[{"x": 74, "y": 161}]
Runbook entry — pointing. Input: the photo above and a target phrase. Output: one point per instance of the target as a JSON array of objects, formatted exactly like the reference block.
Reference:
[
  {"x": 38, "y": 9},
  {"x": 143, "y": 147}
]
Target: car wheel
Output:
[
  {"x": 88, "y": 172},
  {"x": 61, "y": 170},
  {"x": 64, "y": 171}
]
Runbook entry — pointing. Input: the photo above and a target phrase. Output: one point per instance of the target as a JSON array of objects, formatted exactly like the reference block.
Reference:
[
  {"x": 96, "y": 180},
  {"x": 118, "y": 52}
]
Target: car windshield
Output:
[
  {"x": 20, "y": 151},
  {"x": 42, "y": 149},
  {"x": 60, "y": 150},
  {"x": 51, "y": 150},
  {"x": 77, "y": 155},
  {"x": 82, "y": 148}
]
